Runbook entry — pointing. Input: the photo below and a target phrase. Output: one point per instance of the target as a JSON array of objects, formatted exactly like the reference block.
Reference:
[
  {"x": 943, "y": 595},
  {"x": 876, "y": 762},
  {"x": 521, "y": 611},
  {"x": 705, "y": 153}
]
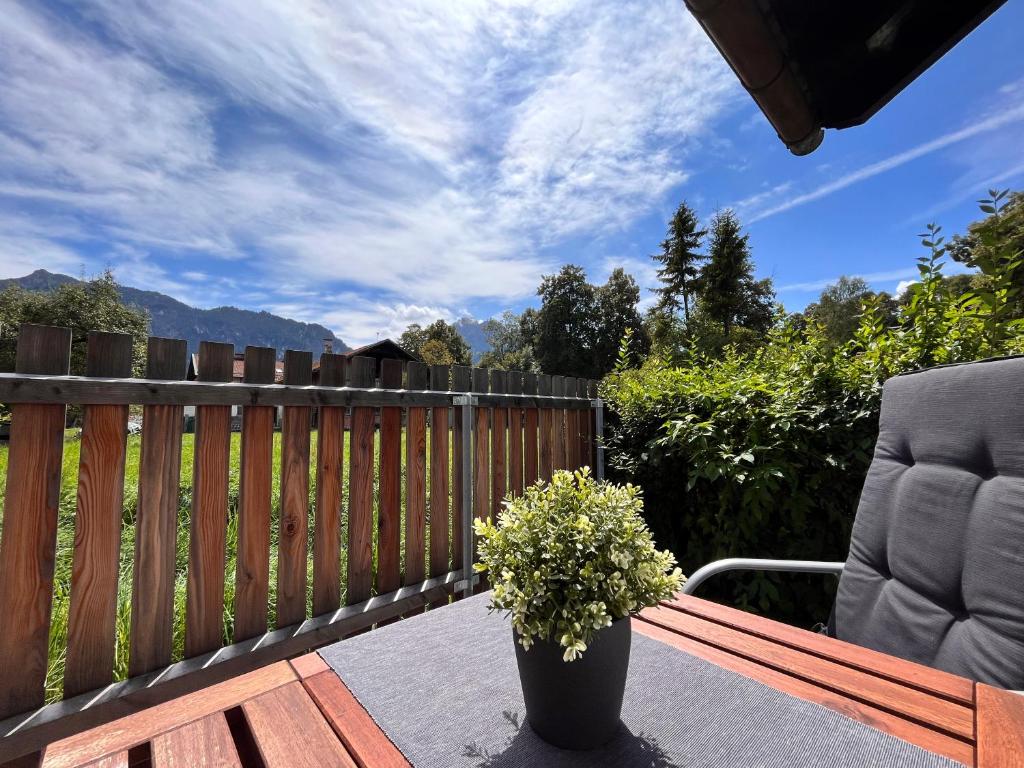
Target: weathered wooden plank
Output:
[
  {"x": 203, "y": 743},
  {"x": 137, "y": 728},
  {"x": 547, "y": 428},
  {"x": 204, "y": 603},
  {"x": 461, "y": 382},
  {"x": 953, "y": 718},
  {"x": 918, "y": 676},
  {"x": 290, "y": 732},
  {"x": 389, "y": 516},
  {"x": 515, "y": 437},
  {"x": 439, "y": 499},
  {"x": 91, "y": 633},
  {"x": 571, "y": 428},
  {"x": 152, "y": 620},
  {"x": 530, "y": 425},
  {"x": 362, "y": 372},
  {"x": 499, "y": 445},
  {"x": 363, "y": 738},
  {"x": 961, "y": 750},
  {"x": 1000, "y": 728},
  {"x": 29, "y": 540},
  {"x": 416, "y": 480},
  {"x": 252, "y": 572},
  {"x": 293, "y": 531},
  {"x": 330, "y": 456}
]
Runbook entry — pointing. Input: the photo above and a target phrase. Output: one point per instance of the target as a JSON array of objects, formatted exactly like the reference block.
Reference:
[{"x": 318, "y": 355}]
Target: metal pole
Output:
[
  {"x": 599, "y": 436},
  {"x": 466, "y": 509}
]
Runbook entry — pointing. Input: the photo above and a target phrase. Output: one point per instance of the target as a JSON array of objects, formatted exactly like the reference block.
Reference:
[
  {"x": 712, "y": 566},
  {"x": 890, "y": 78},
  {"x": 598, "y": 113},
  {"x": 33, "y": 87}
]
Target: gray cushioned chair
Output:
[{"x": 935, "y": 572}]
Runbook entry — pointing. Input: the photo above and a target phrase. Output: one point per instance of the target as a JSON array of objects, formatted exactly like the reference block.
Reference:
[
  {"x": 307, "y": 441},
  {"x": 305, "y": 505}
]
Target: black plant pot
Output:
[{"x": 577, "y": 704}]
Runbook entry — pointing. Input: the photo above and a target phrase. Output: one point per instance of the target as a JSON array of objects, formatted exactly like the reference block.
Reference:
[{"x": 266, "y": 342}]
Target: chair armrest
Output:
[{"x": 753, "y": 564}]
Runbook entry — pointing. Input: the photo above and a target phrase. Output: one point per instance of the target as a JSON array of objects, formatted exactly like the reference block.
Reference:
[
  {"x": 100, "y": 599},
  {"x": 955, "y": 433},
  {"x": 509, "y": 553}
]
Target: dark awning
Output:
[{"x": 820, "y": 64}]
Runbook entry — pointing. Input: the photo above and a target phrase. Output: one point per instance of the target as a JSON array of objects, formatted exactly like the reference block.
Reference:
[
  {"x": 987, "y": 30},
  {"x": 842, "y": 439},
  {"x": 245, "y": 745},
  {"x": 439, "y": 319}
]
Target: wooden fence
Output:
[{"x": 518, "y": 427}]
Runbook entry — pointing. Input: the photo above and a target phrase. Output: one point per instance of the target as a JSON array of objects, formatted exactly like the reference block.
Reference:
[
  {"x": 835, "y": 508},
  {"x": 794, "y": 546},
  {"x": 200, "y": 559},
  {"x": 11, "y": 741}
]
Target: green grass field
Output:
[{"x": 66, "y": 532}]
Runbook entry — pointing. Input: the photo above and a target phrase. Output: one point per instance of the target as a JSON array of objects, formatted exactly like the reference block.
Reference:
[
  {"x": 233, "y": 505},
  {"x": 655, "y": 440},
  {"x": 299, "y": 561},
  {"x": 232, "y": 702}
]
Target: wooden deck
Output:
[{"x": 298, "y": 713}]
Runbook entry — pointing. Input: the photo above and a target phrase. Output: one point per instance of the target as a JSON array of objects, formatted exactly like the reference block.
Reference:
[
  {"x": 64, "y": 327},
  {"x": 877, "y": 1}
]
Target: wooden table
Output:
[{"x": 299, "y": 713}]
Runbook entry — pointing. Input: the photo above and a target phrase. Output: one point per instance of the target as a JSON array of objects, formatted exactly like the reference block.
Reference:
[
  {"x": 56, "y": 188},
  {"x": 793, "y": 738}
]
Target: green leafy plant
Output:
[
  {"x": 763, "y": 453},
  {"x": 569, "y": 557}
]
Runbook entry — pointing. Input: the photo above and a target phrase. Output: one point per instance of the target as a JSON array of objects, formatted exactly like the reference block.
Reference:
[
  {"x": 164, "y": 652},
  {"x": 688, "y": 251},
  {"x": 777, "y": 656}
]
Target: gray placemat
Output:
[{"x": 445, "y": 689}]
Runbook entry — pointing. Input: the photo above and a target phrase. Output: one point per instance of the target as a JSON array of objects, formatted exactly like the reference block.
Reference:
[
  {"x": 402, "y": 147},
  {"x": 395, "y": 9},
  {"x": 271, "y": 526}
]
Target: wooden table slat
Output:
[
  {"x": 290, "y": 732},
  {"x": 954, "y": 718},
  {"x": 1000, "y": 728},
  {"x": 118, "y": 760},
  {"x": 139, "y": 727},
  {"x": 366, "y": 742},
  {"x": 203, "y": 743},
  {"x": 882, "y": 664}
]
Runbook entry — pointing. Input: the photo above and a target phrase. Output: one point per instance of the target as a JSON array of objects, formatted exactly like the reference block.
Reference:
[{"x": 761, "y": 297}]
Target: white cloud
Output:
[
  {"x": 902, "y": 285},
  {"x": 870, "y": 278},
  {"x": 1006, "y": 116},
  {"x": 417, "y": 155}
]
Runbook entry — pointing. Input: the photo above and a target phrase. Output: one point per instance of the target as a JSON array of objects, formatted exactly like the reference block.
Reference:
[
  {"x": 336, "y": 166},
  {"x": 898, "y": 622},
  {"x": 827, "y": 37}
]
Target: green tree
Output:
[
  {"x": 448, "y": 337},
  {"x": 564, "y": 340},
  {"x": 617, "y": 315},
  {"x": 838, "y": 309},
  {"x": 94, "y": 305},
  {"x": 680, "y": 262},
  {"x": 729, "y": 294},
  {"x": 510, "y": 339}
]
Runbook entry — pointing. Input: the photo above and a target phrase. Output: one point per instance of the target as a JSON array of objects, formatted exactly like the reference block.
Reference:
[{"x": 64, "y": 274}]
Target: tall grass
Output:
[{"x": 66, "y": 535}]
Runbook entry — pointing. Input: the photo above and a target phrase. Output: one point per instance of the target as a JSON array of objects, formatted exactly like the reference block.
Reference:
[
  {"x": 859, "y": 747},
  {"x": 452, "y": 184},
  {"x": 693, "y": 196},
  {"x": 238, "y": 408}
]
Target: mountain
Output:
[
  {"x": 171, "y": 318},
  {"x": 474, "y": 334}
]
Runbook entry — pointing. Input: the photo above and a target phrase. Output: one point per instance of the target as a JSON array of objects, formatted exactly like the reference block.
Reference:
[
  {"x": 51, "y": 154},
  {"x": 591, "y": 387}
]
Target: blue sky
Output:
[{"x": 368, "y": 165}]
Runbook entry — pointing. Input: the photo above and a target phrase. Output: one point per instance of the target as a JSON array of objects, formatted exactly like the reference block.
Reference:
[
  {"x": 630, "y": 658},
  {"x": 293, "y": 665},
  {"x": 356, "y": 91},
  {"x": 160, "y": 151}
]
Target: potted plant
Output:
[{"x": 571, "y": 560}]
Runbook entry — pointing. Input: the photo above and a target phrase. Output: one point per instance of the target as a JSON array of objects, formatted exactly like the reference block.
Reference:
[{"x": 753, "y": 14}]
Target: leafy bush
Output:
[
  {"x": 764, "y": 454},
  {"x": 569, "y": 557}
]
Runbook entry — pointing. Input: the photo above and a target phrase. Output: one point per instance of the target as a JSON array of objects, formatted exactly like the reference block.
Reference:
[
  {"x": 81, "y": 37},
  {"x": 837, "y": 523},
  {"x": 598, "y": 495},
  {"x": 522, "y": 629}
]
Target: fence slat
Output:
[
  {"x": 330, "y": 456},
  {"x": 416, "y": 480},
  {"x": 29, "y": 540},
  {"x": 252, "y": 572},
  {"x": 586, "y": 430},
  {"x": 152, "y": 622},
  {"x": 558, "y": 426},
  {"x": 530, "y": 433},
  {"x": 499, "y": 445},
  {"x": 204, "y": 603},
  {"x": 94, "y": 572},
  {"x": 592, "y": 393},
  {"x": 439, "y": 499},
  {"x": 481, "y": 444},
  {"x": 389, "y": 516},
  {"x": 461, "y": 382},
  {"x": 572, "y": 432},
  {"x": 293, "y": 530},
  {"x": 362, "y": 371},
  {"x": 515, "y": 437},
  {"x": 547, "y": 426}
]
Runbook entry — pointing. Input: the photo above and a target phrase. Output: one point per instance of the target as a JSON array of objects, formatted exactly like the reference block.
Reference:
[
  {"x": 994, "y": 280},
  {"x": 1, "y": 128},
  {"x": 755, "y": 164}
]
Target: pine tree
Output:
[
  {"x": 728, "y": 293},
  {"x": 680, "y": 260}
]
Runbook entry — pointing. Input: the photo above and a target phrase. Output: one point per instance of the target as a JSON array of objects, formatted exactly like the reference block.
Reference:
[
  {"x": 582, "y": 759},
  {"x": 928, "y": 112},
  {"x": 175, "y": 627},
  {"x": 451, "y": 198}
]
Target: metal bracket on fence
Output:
[
  {"x": 467, "y": 403},
  {"x": 599, "y": 437}
]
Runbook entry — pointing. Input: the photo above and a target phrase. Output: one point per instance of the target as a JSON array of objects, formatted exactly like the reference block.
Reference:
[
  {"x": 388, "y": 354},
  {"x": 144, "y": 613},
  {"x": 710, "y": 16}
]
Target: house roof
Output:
[
  {"x": 816, "y": 65},
  {"x": 383, "y": 348}
]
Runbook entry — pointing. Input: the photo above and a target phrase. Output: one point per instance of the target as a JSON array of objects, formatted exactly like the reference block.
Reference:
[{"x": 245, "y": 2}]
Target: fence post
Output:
[
  {"x": 599, "y": 437},
  {"x": 465, "y": 405}
]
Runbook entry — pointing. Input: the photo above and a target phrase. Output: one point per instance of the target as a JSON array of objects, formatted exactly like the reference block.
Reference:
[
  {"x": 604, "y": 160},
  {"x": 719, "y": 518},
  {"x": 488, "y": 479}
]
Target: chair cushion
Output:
[{"x": 935, "y": 572}]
